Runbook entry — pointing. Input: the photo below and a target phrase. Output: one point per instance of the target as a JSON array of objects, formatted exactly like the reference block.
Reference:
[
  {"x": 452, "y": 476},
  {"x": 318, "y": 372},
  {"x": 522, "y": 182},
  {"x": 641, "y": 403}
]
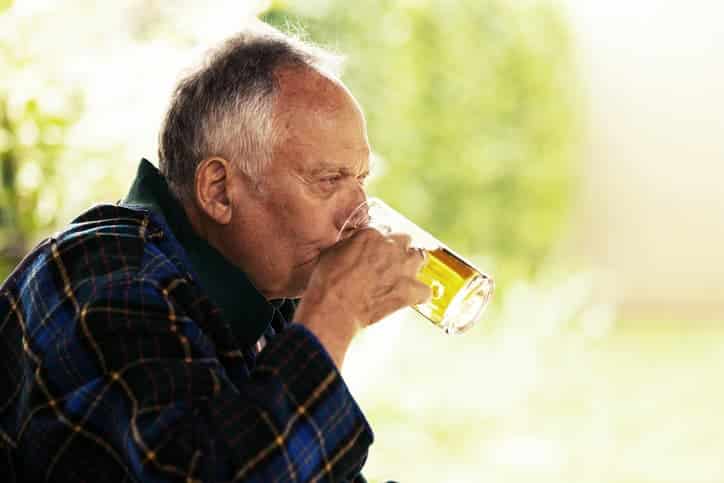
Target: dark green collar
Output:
[{"x": 226, "y": 285}]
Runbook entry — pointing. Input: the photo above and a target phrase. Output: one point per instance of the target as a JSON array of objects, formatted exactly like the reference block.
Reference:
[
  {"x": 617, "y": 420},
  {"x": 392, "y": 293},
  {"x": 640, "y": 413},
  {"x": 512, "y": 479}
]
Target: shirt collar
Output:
[{"x": 226, "y": 285}]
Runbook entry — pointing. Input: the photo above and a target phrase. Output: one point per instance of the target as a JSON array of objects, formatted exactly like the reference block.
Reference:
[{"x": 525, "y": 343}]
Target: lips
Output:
[
  {"x": 313, "y": 259},
  {"x": 317, "y": 253}
]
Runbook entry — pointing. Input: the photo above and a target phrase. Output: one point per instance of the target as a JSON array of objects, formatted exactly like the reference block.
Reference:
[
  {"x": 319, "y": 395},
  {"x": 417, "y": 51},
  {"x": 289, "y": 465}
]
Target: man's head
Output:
[{"x": 267, "y": 151}]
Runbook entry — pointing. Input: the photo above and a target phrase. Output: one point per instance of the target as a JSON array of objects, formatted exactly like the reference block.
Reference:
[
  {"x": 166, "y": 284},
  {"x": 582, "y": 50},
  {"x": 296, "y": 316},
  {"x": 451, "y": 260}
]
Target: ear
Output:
[{"x": 213, "y": 189}]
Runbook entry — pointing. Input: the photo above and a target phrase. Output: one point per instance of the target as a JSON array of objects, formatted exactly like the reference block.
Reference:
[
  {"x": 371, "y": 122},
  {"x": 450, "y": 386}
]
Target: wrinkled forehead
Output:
[
  {"x": 303, "y": 87},
  {"x": 319, "y": 124},
  {"x": 306, "y": 96}
]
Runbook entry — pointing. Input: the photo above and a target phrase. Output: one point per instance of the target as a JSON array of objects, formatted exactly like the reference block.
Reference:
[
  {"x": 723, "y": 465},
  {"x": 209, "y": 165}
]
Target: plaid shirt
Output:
[{"x": 117, "y": 365}]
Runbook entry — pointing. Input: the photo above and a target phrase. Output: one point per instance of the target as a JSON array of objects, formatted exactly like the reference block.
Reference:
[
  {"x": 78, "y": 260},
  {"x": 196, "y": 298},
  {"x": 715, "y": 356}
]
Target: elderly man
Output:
[{"x": 166, "y": 338}]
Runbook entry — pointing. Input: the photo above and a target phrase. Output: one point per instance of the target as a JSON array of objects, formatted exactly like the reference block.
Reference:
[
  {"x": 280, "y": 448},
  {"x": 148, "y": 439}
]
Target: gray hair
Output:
[{"x": 224, "y": 107}]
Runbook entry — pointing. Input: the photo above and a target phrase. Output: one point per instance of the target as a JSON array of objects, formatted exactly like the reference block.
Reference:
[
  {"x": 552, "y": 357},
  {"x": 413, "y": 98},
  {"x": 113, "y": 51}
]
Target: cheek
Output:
[
  {"x": 317, "y": 227},
  {"x": 308, "y": 221}
]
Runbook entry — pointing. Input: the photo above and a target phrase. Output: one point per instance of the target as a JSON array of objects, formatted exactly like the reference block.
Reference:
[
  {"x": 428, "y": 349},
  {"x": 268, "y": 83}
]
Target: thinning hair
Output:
[{"x": 224, "y": 106}]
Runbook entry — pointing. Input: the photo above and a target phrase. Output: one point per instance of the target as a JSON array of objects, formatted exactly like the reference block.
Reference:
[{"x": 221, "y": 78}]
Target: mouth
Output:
[
  {"x": 310, "y": 261},
  {"x": 314, "y": 258}
]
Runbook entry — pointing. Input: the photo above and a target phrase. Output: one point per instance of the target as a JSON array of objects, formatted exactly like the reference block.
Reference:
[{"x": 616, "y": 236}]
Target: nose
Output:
[
  {"x": 353, "y": 215},
  {"x": 359, "y": 196}
]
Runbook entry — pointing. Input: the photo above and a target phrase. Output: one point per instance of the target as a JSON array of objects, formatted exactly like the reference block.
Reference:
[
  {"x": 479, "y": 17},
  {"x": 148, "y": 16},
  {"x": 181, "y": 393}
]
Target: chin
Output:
[{"x": 299, "y": 283}]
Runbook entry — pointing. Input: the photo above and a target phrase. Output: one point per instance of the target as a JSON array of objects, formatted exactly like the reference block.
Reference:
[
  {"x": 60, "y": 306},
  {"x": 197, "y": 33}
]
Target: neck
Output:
[{"x": 220, "y": 237}]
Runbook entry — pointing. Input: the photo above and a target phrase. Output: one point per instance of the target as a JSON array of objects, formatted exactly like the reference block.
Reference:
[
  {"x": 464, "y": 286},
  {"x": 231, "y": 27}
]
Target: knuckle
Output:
[
  {"x": 425, "y": 293},
  {"x": 398, "y": 302},
  {"x": 414, "y": 261},
  {"x": 402, "y": 239},
  {"x": 370, "y": 234},
  {"x": 405, "y": 238},
  {"x": 418, "y": 289}
]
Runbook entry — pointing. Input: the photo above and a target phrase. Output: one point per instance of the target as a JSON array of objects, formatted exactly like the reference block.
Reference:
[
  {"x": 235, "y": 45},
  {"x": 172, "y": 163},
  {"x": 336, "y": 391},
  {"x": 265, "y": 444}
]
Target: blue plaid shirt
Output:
[{"x": 126, "y": 354}]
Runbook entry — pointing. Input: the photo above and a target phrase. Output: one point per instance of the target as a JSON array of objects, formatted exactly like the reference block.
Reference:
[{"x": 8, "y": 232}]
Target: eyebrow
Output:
[{"x": 331, "y": 167}]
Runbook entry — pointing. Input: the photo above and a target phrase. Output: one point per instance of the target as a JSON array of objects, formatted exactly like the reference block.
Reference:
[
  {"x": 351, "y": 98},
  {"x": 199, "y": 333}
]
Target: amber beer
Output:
[{"x": 460, "y": 292}]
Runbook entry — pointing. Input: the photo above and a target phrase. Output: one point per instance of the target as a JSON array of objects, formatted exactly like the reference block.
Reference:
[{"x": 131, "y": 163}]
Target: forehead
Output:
[
  {"x": 320, "y": 125},
  {"x": 304, "y": 87}
]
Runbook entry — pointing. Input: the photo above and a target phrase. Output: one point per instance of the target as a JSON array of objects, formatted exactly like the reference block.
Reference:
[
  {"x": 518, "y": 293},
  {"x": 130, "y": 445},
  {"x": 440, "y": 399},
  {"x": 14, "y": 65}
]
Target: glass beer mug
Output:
[{"x": 460, "y": 292}]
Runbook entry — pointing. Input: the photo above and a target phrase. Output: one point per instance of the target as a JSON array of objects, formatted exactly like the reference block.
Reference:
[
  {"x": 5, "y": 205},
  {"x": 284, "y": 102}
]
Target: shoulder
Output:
[
  {"x": 115, "y": 233},
  {"x": 105, "y": 243},
  {"x": 108, "y": 239}
]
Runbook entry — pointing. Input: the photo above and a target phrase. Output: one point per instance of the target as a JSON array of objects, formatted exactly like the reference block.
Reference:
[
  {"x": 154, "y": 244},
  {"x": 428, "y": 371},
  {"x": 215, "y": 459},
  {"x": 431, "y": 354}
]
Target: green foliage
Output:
[
  {"x": 470, "y": 106},
  {"x": 5, "y": 4},
  {"x": 34, "y": 123}
]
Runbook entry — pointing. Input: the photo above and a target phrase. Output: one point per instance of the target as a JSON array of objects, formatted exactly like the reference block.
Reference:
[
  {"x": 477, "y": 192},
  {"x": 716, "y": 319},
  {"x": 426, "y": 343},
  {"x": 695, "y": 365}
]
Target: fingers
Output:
[
  {"x": 401, "y": 239},
  {"x": 400, "y": 260},
  {"x": 418, "y": 292},
  {"x": 416, "y": 259},
  {"x": 413, "y": 259},
  {"x": 408, "y": 292},
  {"x": 368, "y": 234}
]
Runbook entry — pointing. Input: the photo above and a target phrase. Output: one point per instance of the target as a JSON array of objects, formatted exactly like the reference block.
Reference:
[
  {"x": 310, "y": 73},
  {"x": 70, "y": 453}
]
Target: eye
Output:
[{"x": 331, "y": 180}]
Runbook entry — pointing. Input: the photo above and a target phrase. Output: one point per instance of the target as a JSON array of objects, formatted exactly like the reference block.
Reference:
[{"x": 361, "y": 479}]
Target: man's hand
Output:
[{"x": 357, "y": 282}]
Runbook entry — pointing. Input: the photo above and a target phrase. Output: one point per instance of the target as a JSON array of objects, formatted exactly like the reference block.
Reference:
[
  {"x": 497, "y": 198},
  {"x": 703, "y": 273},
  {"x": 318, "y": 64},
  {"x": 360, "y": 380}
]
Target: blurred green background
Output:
[{"x": 505, "y": 129}]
